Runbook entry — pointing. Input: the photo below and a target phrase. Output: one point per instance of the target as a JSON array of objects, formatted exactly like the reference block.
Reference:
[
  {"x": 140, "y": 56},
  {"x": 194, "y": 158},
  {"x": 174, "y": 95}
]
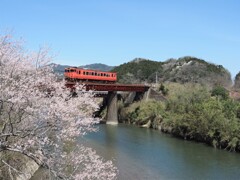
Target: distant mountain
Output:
[
  {"x": 98, "y": 66},
  {"x": 59, "y": 69},
  {"x": 138, "y": 70},
  {"x": 182, "y": 70},
  {"x": 191, "y": 69}
]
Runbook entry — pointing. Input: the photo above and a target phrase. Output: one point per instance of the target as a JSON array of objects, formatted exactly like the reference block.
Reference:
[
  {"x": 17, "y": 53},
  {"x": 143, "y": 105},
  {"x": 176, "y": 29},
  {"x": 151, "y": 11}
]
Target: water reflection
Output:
[{"x": 149, "y": 154}]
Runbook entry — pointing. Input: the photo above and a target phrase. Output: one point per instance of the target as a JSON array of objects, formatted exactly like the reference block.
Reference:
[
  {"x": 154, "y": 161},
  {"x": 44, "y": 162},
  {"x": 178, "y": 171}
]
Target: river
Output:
[{"x": 149, "y": 154}]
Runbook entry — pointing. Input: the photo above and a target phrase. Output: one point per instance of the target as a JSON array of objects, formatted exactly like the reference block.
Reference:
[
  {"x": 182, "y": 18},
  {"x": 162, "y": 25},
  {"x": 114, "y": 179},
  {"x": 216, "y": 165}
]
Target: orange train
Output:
[{"x": 78, "y": 74}]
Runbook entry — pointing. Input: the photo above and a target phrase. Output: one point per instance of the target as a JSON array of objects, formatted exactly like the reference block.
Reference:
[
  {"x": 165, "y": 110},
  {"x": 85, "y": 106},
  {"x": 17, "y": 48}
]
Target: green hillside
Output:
[
  {"x": 237, "y": 81},
  {"x": 138, "y": 71},
  {"x": 182, "y": 70}
]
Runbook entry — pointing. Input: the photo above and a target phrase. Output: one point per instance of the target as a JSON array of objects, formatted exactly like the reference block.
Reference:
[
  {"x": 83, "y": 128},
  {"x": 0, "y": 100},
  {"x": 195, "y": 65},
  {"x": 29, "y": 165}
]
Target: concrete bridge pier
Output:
[
  {"x": 130, "y": 98},
  {"x": 112, "y": 111}
]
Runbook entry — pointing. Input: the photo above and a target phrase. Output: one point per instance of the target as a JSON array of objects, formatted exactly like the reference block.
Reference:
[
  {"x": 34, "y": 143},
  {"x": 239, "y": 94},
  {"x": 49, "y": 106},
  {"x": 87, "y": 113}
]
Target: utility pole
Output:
[{"x": 156, "y": 78}]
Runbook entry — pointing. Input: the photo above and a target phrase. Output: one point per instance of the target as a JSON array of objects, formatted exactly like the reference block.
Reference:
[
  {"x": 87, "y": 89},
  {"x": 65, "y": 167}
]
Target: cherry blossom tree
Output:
[{"x": 40, "y": 117}]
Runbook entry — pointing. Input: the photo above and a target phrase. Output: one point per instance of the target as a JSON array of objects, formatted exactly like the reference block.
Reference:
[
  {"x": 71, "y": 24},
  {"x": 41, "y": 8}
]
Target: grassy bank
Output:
[{"x": 192, "y": 112}]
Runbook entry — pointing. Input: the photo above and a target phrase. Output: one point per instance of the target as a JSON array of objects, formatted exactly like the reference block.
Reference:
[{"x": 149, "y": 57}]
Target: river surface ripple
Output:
[{"x": 149, "y": 154}]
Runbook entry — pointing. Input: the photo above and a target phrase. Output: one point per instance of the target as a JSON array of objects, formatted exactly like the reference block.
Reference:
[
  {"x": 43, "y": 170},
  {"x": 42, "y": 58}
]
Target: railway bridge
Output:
[{"x": 111, "y": 95}]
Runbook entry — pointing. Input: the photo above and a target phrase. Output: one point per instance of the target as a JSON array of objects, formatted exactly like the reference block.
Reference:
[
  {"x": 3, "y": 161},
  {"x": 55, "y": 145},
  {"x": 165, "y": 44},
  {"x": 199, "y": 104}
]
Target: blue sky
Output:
[{"x": 113, "y": 32}]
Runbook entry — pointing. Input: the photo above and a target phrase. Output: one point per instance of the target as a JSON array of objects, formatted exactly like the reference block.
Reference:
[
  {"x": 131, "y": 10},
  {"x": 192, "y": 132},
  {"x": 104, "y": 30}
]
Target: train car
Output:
[{"x": 78, "y": 74}]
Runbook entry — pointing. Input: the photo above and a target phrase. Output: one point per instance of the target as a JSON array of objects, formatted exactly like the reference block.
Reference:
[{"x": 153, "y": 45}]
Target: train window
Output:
[
  {"x": 95, "y": 74},
  {"x": 72, "y": 70},
  {"x": 101, "y": 74},
  {"x": 84, "y": 72}
]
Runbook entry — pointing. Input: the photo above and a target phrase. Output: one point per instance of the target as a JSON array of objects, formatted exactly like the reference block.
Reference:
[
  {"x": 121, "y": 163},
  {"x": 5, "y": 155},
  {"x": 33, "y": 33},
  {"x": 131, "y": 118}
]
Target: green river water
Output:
[{"x": 149, "y": 154}]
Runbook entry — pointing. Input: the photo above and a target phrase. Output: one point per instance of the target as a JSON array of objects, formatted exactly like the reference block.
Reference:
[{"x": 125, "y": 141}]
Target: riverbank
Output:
[{"x": 191, "y": 113}]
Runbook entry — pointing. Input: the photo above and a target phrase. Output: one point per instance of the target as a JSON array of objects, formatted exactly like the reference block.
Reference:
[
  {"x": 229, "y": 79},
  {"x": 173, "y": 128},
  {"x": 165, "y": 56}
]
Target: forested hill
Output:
[
  {"x": 182, "y": 70},
  {"x": 138, "y": 70},
  {"x": 237, "y": 81}
]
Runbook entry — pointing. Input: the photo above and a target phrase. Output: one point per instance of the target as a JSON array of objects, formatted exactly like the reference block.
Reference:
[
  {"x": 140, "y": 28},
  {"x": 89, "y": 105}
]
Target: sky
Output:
[{"x": 114, "y": 32}]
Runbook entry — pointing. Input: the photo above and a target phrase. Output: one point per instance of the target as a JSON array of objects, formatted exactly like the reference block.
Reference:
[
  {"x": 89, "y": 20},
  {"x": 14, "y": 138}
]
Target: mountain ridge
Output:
[{"x": 182, "y": 70}]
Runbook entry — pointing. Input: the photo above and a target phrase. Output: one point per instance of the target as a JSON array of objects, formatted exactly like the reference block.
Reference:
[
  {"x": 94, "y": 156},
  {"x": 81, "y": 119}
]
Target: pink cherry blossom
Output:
[{"x": 40, "y": 118}]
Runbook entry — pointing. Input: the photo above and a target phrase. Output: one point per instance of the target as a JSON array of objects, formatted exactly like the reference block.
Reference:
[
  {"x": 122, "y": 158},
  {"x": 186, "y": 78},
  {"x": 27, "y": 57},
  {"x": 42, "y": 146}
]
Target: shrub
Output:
[{"x": 220, "y": 91}]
